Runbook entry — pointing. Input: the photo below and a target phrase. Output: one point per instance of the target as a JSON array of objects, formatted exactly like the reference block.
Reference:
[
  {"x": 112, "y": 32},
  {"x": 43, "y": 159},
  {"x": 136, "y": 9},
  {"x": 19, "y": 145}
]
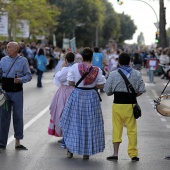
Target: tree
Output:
[
  {"x": 127, "y": 28},
  {"x": 168, "y": 36},
  {"x": 88, "y": 20},
  {"x": 162, "y": 24},
  {"x": 141, "y": 39},
  {"x": 2, "y": 5},
  {"x": 111, "y": 24},
  {"x": 39, "y": 13},
  {"x": 162, "y": 31},
  {"x": 74, "y": 13}
]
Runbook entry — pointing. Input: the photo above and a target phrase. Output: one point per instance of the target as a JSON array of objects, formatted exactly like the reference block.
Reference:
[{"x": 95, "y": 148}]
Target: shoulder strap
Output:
[
  {"x": 84, "y": 75},
  {"x": 11, "y": 66},
  {"x": 128, "y": 84},
  {"x": 165, "y": 87}
]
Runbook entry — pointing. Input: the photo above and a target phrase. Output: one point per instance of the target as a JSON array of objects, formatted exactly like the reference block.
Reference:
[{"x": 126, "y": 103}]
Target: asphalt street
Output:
[{"x": 45, "y": 153}]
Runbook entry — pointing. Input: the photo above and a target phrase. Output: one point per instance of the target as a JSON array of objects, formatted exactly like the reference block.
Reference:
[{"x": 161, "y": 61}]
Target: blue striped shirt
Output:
[{"x": 20, "y": 67}]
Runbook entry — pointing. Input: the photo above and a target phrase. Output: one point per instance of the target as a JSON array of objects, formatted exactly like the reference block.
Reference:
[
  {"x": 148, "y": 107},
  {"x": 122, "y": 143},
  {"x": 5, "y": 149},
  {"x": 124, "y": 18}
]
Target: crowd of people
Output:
[
  {"x": 160, "y": 67},
  {"x": 108, "y": 58},
  {"x": 75, "y": 110},
  {"x": 155, "y": 61}
]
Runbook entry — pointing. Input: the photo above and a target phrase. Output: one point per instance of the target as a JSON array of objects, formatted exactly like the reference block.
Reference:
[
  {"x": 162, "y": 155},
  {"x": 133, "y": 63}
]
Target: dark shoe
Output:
[
  {"x": 85, "y": 157},
  {"x": 112, "y": 158},
  {"x": 167, "y": 157},
  {"x": 134, "y": 159},
  {"x": 60, "y": 141},
  {"x": 102, "y": 91},
  {"x": 20, "y": 147},
  {"x": 2, "y": 147},
  {"x": 39, "y": 86},
  {"x": 69, "y": 154}
]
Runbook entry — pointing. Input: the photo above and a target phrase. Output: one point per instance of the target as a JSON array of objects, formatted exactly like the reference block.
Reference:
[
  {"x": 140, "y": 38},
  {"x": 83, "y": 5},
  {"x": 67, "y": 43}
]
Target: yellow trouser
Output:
[{"x": 122, "y": 115}]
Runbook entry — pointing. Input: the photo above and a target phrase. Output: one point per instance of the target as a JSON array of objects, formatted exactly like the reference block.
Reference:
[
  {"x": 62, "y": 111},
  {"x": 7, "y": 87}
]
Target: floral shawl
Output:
[{"x": 91, "y": 77}]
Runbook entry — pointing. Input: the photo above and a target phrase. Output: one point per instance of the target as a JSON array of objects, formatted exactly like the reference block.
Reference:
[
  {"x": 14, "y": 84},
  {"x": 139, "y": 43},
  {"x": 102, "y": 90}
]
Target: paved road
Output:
[{"x": 46, "y": 154}]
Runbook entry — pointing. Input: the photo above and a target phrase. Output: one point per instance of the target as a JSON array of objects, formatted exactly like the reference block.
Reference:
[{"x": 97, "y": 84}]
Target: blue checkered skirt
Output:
[{"x": 82, "y": 123}]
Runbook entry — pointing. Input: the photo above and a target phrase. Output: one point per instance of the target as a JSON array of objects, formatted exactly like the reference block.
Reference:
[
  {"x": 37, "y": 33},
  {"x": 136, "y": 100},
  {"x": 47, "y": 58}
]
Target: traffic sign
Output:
[{"x": 156, "y": 25}]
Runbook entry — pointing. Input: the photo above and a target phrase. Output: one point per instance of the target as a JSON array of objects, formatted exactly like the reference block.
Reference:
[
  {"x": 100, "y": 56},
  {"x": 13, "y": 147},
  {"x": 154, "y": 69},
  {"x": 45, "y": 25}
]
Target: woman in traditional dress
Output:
[
  {"x": 82, "y": 120},
  {"x": 61, "y": 96}
]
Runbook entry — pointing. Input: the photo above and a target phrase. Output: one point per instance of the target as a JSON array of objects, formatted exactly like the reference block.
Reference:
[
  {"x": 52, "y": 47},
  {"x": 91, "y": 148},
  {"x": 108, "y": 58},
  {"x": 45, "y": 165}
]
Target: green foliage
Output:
[
  {"x": 168, "y": 32},
  {"x": 127, "y": 28},
  {"x": 140, "y": 39},
  {"x": 67, "y": 18},
  {"x": 111, "y": 24},
  {"x": 92, "y": 16},
  {"x": 79, "y": 18},
  {"x": 168, "y": 36},
  {"x": 40, "y": 14}
]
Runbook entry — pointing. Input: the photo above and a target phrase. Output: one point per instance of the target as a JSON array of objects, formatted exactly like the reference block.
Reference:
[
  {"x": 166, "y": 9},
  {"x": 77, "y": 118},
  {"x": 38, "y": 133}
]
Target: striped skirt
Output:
[
  {"x": 82, "y": 123},
  {"x": 56, "y": 109}
]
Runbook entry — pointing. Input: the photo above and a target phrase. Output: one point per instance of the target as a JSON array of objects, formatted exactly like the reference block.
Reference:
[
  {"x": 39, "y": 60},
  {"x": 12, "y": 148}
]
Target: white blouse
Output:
[
  {"x": 61, "y": 77},
  {"x": 74, "y": 76}
]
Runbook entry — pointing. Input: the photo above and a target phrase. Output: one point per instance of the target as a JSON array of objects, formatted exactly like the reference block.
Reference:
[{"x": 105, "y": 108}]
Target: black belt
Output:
[
  {"x": 9, "y": 86},
  {"x": 85, "y": 88},
  {"x": 123, "y": 98}
]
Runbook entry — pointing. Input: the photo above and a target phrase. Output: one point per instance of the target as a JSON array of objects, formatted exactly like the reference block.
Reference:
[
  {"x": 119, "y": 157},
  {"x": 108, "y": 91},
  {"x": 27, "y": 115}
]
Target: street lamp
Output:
[
  {"x": 157, "y": 23},
  {"x": 151, "y": 8}
]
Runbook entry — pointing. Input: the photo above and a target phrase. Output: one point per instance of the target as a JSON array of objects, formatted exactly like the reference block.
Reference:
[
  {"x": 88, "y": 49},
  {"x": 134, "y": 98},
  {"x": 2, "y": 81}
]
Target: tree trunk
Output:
[{"x": 162, "y": 23}]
